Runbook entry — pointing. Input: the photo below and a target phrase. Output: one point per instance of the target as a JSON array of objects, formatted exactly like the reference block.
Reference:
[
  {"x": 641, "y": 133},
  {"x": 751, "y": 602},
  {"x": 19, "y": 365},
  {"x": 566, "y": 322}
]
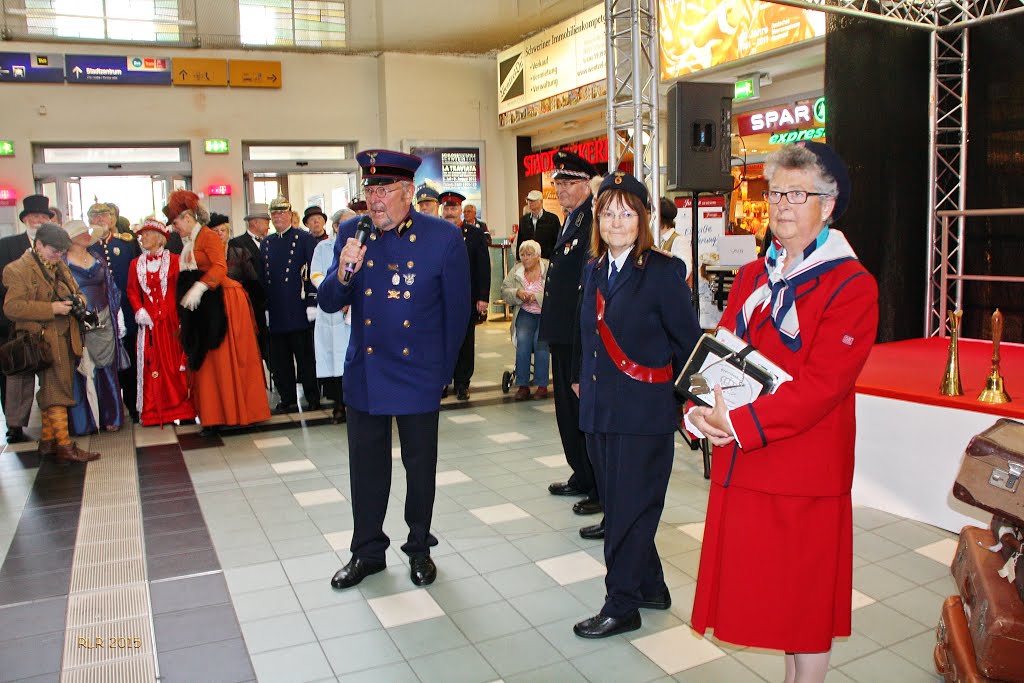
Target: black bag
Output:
[{"x": 25, "y": 352}]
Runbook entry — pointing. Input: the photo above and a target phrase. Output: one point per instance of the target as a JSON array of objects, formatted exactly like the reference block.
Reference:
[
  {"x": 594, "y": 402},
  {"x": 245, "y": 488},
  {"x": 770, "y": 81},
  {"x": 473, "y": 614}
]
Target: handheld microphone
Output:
[{"x": 362, "y": 234}]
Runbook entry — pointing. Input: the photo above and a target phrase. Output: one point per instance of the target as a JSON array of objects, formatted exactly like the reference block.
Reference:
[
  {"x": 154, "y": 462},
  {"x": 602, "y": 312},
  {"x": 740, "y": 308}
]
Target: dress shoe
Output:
[
  {"x": 587, "y": 506},
  {"x": 16, "y": 435},
  {"x": 338, "y": 415},
  {"x": 422, "y": 570},
  {"x": 355, "y": 571},
  {"x": 594, "y": 532},
  {"x": 603, "y": 627},
  {"x": 540, "y": 394},
  {"x": 72, "y": 453},
  {"x": 312, "y": 405},
  {"x": 663, "y": 601},
  {"x": 522, "y": 393},
  {"x": 462, "y": 393},
  {"x": 47, "y": 447},
  {"x": 209, "y": 431},
  {"x": 285, "y": 408},
  {"x": 564, "y": 489},
  {"x": 444, "y": 392}
]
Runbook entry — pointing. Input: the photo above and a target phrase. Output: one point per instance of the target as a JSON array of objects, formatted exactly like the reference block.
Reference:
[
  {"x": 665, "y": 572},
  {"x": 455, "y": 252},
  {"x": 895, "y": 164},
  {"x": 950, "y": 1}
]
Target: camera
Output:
[{"x": 80, "y": 311}]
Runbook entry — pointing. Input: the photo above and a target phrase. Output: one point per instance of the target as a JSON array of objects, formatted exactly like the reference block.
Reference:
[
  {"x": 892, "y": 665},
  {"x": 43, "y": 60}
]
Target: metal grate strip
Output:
[
  {"x": 109, "y": 642},
  {"x": 123, "y": 603},
  {"x": 118, "y": 550},
  {"x": 107, "y": 575}
]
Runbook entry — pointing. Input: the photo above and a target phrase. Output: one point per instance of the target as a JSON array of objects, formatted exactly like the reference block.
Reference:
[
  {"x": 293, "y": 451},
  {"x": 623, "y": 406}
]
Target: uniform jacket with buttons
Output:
[
  {"x": 286, "y": 261},
  {"x": 118, "y": 252},
  {"x": 410, "y": 308},
  {"x": 648, "y": 312},
  {"x": 479, "y": 263},
  {"x": 562, "y": 284}
]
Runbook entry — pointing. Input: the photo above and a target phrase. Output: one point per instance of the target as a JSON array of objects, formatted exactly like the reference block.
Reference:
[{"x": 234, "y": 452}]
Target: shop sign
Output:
[
  {"x": 792, "y": 136},
  {"x": 595, "y": 151},
  {"x": 782, "y": 118}
]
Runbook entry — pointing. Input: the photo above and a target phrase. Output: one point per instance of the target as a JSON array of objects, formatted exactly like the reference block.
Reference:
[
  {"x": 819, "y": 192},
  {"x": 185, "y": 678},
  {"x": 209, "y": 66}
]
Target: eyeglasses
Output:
[
  {"x": 611, "y": 216},
  {"x": 379, "y": 192},
  {"x": 793, "y": 196}
]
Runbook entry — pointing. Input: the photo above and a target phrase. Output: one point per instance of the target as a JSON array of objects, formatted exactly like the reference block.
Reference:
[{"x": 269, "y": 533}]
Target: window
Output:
[
  {"x": 131, "y": 20},
  {"x": 299, "y": 23}
]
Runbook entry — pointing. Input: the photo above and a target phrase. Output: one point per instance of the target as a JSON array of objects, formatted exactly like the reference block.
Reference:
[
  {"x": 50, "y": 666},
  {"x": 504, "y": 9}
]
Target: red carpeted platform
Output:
[{"x": 912, "y": 371}]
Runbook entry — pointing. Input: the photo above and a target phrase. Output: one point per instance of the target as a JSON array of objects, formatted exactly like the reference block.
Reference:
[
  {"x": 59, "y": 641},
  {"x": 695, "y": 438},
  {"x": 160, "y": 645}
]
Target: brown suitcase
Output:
[
  {"x": 954, "y": 652},
  {"x": 1010, "y": 541},
  {"x": 995, "y": 613},
  {"x": 992, "y": 469}
]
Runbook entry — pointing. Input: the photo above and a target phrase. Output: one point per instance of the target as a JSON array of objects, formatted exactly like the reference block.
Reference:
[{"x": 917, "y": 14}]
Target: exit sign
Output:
[
  {"x": 748, "y": 88},
  {"x": 216, "y": 146},
  {"x": 6, "y": 148}
]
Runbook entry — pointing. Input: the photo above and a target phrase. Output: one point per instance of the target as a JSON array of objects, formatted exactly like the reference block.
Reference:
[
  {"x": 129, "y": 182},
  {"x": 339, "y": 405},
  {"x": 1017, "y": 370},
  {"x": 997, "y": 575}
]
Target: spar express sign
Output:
[{"x": 799, "y": 121}]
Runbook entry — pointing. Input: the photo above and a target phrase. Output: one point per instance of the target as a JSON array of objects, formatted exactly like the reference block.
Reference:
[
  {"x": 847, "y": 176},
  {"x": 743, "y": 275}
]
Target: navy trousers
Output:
[
  {"x": 632, "y": 472},
  {"x": 369, "y": 455},
  {"x": 567, "y": 415}
]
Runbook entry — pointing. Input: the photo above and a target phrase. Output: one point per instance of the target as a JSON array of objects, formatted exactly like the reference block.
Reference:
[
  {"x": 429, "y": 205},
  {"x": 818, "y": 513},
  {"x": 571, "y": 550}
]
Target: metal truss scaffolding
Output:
[
  {"x": 633, "y": 78},
  {"x": 633, "y": 51}
]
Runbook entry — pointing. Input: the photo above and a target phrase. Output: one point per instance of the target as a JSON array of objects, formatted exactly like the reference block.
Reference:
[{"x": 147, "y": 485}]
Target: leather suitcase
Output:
[
  {"x": 995, "y": 613},
  {"x": 1010, "y": 538},
  {"x": 992, "y": 469},
  {"x": 954, "y": 651}
]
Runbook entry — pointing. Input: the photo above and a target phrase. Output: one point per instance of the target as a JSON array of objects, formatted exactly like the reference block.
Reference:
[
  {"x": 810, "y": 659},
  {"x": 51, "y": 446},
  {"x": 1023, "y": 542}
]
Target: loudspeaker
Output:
[{"x": 700, "y": 137}]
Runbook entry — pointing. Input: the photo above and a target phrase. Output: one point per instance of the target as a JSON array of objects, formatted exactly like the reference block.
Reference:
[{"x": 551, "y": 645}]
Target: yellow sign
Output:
[
  {"x": 211, "y": 72},
  {"x": 250, "y": 73},
  {"x": 699, "y": 34}
]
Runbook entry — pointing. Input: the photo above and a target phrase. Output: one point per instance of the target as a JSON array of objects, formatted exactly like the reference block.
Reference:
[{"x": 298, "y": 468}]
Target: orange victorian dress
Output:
[{"x": 229, "y": 388}]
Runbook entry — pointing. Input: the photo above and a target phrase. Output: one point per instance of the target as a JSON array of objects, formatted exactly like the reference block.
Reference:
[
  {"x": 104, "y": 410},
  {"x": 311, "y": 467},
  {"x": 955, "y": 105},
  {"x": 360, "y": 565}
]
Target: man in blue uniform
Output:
[
  {"x": 479, "y": 287},
  {"x": 558, "y": 324},
  {"x": 118, "y": 249},
  {"x": 408, "y": 286},
  {"x": 291, "y": 306},
  {"x": 427, "y": 200}
]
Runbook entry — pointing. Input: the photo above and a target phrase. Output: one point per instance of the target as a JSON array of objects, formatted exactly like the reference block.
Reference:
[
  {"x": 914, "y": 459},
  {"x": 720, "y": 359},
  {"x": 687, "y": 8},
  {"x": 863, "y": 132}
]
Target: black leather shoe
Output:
[
  {"x": 16, "y": 435},
  {"x": 663, "y": 601},
  {"x": 587, "y": 506},
  {"x": 594, "y": 532},
  {"x": 564, "y": 489},
  {"x": 285, "y": 408},
  {"x": 312, "y": 405},
  {"x": 355, "y": 571},
  {"x": 422, "y": 570},
  {"x": 209, "y": 431},
  {"x": 338, "y": 415},
  {"x": 462, "y": 394},
  {"x": 603, "y": 627},
  {"x": 444, "y": 392}
]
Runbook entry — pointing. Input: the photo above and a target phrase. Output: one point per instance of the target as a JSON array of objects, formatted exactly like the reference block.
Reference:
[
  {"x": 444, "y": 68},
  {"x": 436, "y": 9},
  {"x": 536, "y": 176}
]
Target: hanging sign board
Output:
[
  {"x": 251, "y": 73},
  {"x": 111, "y": 69},
  {"x": 24, "y": 67},
  {"x": 200, "y": 72}
]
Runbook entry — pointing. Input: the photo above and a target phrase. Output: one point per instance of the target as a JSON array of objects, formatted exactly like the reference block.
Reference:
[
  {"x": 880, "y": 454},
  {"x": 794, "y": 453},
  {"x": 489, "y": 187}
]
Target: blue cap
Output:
[
  {"x": 835, "y": 167},
  {"x": 426, "y": 193},
  {"x": 383, "y": 166},
  {"x": 620, "y": 180},
  {"x": 451, "y": 197}
]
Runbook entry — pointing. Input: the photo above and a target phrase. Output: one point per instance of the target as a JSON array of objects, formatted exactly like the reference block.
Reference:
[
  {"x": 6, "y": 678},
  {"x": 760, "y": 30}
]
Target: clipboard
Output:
[{"x": 741, "y": 378}]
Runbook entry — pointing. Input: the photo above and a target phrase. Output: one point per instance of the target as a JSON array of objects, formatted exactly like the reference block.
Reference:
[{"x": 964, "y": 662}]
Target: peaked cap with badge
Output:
[
  {"x": 384, "y": 167},
  {"x": 425, "y": 193},
  {"x": 571, "y": 166},
  {"x": 626, "y": 182}
]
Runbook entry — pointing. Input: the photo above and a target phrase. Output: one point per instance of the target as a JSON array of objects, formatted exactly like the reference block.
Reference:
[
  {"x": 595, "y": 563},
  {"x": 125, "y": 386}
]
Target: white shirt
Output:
[{"x": 619, "y": 262}]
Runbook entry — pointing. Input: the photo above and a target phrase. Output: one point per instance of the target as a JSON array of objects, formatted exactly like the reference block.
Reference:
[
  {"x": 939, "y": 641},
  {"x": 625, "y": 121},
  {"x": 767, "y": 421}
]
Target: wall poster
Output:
[{"x": 451, "y": 165}]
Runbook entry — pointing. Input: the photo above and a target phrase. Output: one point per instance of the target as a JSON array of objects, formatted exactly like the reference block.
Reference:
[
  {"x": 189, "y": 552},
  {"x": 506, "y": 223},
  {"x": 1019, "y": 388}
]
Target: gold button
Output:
[
  {"x": 369, "y": 264},
  {"x": 405, "y": 351},
  {"x": 407, "y": 295},
  {"x": 409, "y": 264},
  {"x": 369, "y": 349},
  {"x": 595, "y": 354},
  {"x": 369, "y": 292},
  {"x": 368, "y": 322},
  {"x": 622, "y": 363},
  {"x": 405, "y": 323},
  {"x": 412, "y": 238},
  {"x": 286, "y": 279},
  {"x": 373, "y": 235}
]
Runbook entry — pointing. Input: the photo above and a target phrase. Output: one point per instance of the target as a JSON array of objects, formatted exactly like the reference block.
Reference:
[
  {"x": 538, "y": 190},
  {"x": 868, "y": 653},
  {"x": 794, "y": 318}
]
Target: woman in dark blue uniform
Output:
[{"x": 636, "y": 330}]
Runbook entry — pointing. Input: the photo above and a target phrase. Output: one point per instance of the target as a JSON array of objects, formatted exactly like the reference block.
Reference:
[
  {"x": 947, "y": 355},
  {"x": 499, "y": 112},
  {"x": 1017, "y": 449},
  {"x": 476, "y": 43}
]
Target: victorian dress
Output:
[
  {"x": 163, "y": 383},
  {"x": 104, "y": 355},
  {"x": 228, "y": 387}
]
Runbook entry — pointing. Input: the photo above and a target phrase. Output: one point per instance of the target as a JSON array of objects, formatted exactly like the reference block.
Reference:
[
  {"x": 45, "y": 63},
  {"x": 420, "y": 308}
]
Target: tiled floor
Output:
[{"x": 242, "y": 535}]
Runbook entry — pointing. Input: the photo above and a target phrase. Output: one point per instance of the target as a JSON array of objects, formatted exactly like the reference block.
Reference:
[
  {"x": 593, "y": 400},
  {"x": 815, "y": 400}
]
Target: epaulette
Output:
[
  {"x": 126, "y": 236},
  {"x": 661, "y": 251}
]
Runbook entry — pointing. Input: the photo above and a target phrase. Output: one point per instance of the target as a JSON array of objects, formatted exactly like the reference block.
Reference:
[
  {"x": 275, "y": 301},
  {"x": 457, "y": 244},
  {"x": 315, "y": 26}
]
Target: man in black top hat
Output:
[
  {"x": 559, "y": 325},
  {"x": 17, "y": 390},
  {"x": 315, "y": 221}
]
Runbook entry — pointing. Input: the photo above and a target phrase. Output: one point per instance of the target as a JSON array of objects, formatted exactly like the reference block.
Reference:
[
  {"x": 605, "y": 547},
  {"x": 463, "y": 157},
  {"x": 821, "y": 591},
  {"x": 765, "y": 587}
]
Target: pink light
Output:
[
  {"x": 219, "y": 191},
  {"x": 8, "y": 197}
]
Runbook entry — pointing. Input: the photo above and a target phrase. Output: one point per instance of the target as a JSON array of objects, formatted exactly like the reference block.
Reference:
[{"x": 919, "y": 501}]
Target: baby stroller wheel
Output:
[{"x": 506, "y": 380}]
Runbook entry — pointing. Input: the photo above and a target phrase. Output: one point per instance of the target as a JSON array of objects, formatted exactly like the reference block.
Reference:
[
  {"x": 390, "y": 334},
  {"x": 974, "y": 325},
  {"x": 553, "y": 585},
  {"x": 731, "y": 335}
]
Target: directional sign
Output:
[
  {"x": 249, "y": 73},
  {"x": 208, "y": 72},
  {"x": 6, "y": 148},
  {"x": 22, "y": 67},
  {"x": 117, "y": 70}
]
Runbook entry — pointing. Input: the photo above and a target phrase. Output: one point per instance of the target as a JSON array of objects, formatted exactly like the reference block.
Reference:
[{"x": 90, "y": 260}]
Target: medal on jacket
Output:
[
  {"x": 117, "y": 251},
  {"x": 410, "y": 278},
  {"x": 396, "y": 280}
]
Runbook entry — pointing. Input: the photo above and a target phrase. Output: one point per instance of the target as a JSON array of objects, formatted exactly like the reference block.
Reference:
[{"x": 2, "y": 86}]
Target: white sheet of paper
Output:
[
  {"x": 734, "y": 343},
  {"x": 739, "y": 389}
]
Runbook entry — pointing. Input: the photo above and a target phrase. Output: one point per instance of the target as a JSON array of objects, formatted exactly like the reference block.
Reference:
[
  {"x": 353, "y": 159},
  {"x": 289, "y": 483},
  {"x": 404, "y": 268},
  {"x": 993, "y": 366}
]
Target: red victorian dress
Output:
[{"x": 163, "y": 394}]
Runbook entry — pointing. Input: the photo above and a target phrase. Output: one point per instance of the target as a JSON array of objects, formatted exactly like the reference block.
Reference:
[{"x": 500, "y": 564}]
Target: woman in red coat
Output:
[
  {"x": 162, "y": 395},
  {"x": 776, "y": 567},
  {"x": 228, "y": 385}
]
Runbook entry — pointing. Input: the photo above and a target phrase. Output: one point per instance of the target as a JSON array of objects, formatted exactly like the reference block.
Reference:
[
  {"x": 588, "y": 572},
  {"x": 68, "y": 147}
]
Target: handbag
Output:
[
  {"x": 991, "y": 471},
  {"x": 25, "y": 352}
]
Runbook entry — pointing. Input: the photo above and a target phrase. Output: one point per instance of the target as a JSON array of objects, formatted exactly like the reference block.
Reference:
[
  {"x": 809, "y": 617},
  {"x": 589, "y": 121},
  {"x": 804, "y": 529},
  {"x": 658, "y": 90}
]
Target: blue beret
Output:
[
  {"x": 451, "y": 197},
  {"x": 383, "y": 167},
  {"x": 620, "y": 180},
  {"x": 836, "y": 168},
  {"x": 425, "y": 193},
  {"x": 571, "y": 165}
]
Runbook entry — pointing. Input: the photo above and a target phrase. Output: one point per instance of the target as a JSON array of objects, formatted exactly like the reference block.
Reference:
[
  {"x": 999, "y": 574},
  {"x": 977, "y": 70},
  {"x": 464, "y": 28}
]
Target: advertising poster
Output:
[
  {"x": 699, "y": 34},
  {"x": 456, "y": 168},
  {"x": 710, "y": 226}
]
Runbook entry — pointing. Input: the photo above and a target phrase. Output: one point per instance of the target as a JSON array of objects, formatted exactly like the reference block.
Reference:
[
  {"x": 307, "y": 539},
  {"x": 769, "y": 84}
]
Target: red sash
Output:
[{"x": 638, "y": 372}]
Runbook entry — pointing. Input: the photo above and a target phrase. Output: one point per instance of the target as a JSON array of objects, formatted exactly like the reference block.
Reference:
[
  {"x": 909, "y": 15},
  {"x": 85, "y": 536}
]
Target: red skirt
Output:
[{"x": 776, "y": 571}]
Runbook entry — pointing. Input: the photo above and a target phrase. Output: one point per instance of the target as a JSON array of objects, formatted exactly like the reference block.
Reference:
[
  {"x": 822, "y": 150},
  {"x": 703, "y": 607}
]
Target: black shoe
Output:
[
  {"x": 338, "y": 415},
  {"x": 444, "y": 392},
  {"x": 462, "y": 393},
  {"x": 663, "y": 601},
  {"x": 355, "y": 571},
  {"x": 564, "y": 489},
  {"x": 422, "y": 570},
  {"x": 209, "y": 431},
  {"x": 285, "y": 408},
  {"x": 312, "y": 405},
  {"x": 587, "y": 506},
  {"x": 594, "y": 532},
  {"x": 16, "y": 435},
  {"x": 603, "y": 627}
]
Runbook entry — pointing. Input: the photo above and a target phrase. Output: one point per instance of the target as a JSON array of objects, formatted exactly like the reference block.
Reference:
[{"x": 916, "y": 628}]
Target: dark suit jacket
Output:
[
  {"x": 479, "y": 264},
  {"x": 257, "y": 295},
  {"x": 546, "y": 232},
  {"x": 562, "y": 285},
  {"x": 11, "y": 249},
  {"x": 174, "y": 243}
]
